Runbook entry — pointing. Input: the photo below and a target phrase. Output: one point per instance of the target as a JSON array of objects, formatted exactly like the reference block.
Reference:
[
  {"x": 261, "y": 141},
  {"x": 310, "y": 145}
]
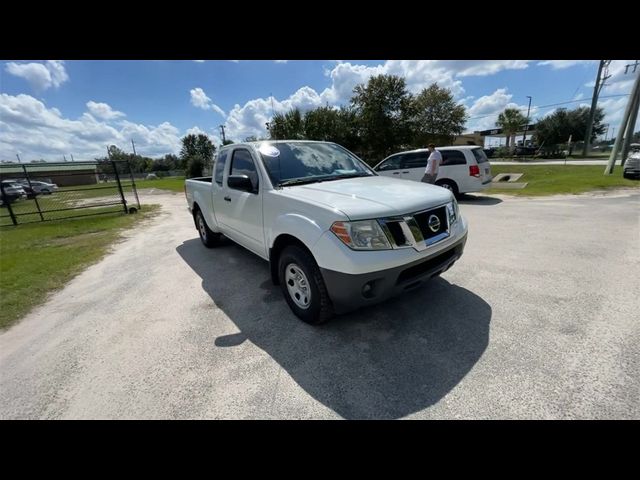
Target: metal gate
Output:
[{"x": 39, "y": 192}]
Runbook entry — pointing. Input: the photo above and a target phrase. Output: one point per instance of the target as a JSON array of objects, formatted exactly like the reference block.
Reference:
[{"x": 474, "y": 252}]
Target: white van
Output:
[{"x": 464, "y": 168}]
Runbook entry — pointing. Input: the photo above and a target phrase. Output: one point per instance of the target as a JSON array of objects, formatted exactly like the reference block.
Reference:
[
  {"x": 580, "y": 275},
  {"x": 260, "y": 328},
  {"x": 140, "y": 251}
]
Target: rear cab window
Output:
[{"x": 219, "y": 169}]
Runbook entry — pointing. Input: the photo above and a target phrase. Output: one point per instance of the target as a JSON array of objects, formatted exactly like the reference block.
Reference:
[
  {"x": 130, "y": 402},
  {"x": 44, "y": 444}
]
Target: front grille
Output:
[
  {"x": 415, "y": 231},
  {"x": 396, "y": 232},
  {"x": 423, "y": 222}
]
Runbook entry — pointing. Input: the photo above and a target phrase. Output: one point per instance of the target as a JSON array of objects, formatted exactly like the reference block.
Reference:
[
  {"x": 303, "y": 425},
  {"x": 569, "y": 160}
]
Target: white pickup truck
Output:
[{"x": 337, "y": 235}]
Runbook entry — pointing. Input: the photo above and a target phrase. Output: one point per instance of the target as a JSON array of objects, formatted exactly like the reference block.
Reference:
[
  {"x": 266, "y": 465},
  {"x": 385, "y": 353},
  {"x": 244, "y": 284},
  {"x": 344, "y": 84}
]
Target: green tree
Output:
[
  {"x": 636, "y": 137},
  {"x": 287, "y": 126},
  {"x": 511, "y": 121},
  {"x": 195, "y": 166},
  {"x": 383, "y": 109},
  {"x": 437, "y": 117},
  {"x": 561, "y": 124},
  {"x": 197, "y": 146},
  {"x": 227, "y": 142}
]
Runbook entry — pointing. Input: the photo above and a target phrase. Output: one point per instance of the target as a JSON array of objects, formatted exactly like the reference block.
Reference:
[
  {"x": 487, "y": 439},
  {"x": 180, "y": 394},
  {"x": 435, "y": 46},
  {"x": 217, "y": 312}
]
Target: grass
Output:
[
  {"x": 39, "y": 258},
  {"x": 561, "y": 179},
  {"x": 175, "y": 184}
]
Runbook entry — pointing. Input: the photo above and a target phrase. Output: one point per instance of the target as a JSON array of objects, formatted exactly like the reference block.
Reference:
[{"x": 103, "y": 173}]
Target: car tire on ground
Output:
[
  {"x": 303, "y": 286},
  {"x": 449, "y": 185},
  {"x": 209, "y": 238}
]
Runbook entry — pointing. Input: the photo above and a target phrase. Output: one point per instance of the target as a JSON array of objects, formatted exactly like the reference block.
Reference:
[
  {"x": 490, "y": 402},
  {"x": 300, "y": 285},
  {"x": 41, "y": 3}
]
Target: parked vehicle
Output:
[
  {"x": 40, "y": 187},
  {"x": 463, "y": 169},
  {"x": 337, "y": 235},
  {"x": 632, "y": 163},
  {"x": 12, "y": 192}
]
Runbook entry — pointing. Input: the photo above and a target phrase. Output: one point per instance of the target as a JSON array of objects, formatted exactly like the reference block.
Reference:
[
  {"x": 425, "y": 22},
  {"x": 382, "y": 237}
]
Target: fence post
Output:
[
  {"x": 35, "y": 196},
  {"x": 124, "y": 202},
  {"x": 5, "y": 199},
  {"x": 133, "y": 183}
]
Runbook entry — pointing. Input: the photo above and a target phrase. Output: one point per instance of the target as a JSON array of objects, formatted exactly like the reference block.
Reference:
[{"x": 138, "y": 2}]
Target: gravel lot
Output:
[{"x": 539, "y": 319}]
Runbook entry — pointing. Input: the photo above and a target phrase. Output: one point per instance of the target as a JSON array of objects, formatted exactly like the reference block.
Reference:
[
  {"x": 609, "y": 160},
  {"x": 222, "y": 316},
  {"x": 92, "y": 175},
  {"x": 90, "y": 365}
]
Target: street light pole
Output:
[{"x": 524, "y": 136}]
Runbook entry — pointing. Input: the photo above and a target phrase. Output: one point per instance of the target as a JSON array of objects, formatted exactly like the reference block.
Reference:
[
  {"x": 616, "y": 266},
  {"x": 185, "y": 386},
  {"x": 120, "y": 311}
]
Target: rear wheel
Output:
[
  {"x": 209, "y": 238},
  {"x": 303, "y": 286},
  {"x": 449, "y": 185}
]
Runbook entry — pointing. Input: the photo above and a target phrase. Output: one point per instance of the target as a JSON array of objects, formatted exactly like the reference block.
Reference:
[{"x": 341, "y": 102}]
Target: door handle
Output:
[
  {"x": 227, "y": 199},
  {"x": 396, "y": 173},
  {"x": 406, "y": 171}
]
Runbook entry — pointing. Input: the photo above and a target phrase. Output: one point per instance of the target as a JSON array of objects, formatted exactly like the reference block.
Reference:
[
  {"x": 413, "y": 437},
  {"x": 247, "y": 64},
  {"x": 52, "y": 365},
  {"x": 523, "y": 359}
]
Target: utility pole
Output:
[
  {"x": 626, "y": 126},
  {"x": 524, "y": 135},
  {"x": 600, "y": 79},
  {"x": 65, "y": 158},
  {"x": 19, "y": 161},
  {"x": 72, "y": 157},
  {"x": 626, "y": 146},
  {"x": 223, "y": 137},
  {"x": 134, "y": 148}
]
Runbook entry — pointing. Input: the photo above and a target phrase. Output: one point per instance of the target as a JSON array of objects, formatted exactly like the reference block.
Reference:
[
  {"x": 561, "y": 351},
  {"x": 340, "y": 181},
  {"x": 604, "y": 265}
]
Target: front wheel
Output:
[
  {"x": 303, "y": 286},
  {"x": 449, "y": 185},
  {"x": 209, "y": 238}
]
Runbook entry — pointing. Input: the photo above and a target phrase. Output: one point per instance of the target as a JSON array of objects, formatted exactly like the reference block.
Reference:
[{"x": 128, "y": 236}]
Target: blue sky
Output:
[{"x": 54, "y": 108}]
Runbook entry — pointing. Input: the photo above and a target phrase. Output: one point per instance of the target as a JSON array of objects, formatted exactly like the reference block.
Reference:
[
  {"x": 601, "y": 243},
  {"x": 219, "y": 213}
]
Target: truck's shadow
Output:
[{"x": 386, "y": 361}]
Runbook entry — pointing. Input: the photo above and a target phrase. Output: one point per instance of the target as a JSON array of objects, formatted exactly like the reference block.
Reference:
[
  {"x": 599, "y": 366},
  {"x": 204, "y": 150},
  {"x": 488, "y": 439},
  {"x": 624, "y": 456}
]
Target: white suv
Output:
[{"x": 463, "y": 169}]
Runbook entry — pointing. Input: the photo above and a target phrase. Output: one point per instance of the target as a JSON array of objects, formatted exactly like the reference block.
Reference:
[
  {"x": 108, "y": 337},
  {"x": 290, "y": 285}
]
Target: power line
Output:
[{"x": 550, "y": 105}]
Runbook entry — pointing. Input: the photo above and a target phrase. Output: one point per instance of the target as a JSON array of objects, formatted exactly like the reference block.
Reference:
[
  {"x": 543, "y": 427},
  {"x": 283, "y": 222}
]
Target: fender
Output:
[{"x": 204, "y": 200}]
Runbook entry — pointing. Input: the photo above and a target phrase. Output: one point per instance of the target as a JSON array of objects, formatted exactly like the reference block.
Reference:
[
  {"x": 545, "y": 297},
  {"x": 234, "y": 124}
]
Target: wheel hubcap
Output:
[
  {"x": 447, "y": 186},
  {"x": 298, "y": 286},
  {"x": 201, "y": 226}
]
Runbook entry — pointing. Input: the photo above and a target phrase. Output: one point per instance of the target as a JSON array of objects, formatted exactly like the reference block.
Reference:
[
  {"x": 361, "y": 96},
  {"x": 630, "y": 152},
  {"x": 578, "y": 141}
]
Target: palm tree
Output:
[{"x": 511, "y": 121}]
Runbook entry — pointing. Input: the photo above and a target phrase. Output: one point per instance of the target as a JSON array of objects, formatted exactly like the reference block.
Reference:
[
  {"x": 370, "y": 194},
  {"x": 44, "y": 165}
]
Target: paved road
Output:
[{"x": 539, "y": 319}]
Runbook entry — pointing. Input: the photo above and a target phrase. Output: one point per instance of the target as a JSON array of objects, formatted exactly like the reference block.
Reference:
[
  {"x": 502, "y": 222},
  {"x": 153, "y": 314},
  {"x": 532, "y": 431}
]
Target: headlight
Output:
[
  {"x": 362, "y": 235},
  {"x": 454, "y": 213}
]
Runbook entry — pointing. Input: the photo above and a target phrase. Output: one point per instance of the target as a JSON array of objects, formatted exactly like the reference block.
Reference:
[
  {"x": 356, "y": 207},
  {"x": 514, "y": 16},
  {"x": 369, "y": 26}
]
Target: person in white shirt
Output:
[{"x": 431, "y": 172}]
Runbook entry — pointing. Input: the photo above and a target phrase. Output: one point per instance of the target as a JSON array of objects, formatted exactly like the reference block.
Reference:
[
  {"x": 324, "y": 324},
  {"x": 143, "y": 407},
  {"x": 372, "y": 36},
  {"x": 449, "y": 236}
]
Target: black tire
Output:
[
  {"x": 319, "y": 309},
  {"x": 449, "y": 185},
  {"x": 44, "y": 191},
  {"x": 209, "y": 238}
]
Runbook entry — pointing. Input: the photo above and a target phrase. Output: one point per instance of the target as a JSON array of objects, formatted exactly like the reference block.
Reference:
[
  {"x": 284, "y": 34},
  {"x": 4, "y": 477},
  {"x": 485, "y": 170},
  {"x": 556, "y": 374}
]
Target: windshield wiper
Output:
[
  {"x": 328, "y": 178},
  {"x": 347, "y": 175},
  {"x": 299, "y": 181}
]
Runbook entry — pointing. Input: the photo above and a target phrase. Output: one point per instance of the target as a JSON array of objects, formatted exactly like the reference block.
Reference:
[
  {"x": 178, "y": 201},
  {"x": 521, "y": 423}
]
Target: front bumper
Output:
[{"x": 351, "y": 291}]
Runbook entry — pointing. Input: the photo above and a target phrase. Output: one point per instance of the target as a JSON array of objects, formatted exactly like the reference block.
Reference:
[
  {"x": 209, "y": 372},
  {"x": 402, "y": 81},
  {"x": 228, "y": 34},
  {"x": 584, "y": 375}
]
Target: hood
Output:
[{"x": 371, "y": 197}]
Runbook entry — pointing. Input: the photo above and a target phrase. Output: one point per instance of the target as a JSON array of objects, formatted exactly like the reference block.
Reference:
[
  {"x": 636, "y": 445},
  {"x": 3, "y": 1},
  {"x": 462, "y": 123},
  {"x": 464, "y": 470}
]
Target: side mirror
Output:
[{"x": 240, "y": 182}]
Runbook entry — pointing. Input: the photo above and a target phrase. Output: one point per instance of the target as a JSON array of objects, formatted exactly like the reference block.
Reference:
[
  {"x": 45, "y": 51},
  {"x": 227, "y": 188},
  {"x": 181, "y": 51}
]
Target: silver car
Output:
[
  {"x": 12, "y": 192},
  {"x": 632, "y": 164}
]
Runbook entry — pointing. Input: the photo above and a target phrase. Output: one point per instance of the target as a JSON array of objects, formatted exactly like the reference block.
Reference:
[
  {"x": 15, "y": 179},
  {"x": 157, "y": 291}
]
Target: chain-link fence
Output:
[{"x": 38, "y": 192}]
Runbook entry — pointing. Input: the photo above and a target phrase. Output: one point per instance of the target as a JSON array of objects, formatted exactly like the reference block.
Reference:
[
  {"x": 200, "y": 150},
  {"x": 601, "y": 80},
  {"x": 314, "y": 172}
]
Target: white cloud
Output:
[
  {"x": 103, "y": 111},
  {"x": 562, "y": 64},
  {"x": 485, "y": 110},
  {"x": 250, "y": 119},
  {"x": 40, "y": 76},
  {"x": 199, "y": 61},
  {"x": 200, "y": 99},
  {"x": 281, "y": 61},
  {"x": 29, "y": 127}
]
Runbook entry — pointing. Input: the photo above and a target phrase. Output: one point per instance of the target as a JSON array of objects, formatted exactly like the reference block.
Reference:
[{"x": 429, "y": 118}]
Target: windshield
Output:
[{"x": 291, "y": 163}]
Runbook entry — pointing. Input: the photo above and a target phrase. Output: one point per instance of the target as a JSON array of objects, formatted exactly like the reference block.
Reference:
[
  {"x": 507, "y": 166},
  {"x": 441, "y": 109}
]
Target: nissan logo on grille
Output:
[{"x": 434, "y": 223}]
